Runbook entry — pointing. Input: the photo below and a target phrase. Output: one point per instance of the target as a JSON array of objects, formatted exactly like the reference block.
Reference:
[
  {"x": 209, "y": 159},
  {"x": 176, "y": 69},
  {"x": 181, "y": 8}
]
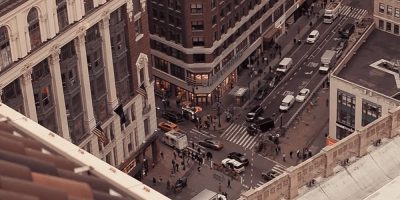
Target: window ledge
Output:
[{"x": 140, "y": 36}]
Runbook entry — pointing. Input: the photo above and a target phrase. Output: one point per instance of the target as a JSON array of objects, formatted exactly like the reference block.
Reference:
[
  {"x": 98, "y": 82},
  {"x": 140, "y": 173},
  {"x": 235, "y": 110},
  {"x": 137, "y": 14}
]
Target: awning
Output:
[
  {"x": 269, "y": 35},
  {"x": 238, "y": 91}
]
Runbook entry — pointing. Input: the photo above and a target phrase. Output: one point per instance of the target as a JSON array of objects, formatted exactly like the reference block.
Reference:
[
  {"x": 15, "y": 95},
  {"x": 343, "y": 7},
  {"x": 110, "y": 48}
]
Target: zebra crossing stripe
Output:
[
  {"x": 247, "y": 139},
  {"x": 234, "y": 133},
  {"x": 227, "y": 130},
  {"x": 251, "y": 142},
  {"x": 254, "y": 143},
  {"x": 239, "y": 139}
]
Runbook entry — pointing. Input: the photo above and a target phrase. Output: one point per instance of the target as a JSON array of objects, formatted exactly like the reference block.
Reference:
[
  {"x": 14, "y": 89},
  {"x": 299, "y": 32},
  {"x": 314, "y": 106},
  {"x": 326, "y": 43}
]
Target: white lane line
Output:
[
  {"x": 233, "y": 135},
  {"x": 248, "y": 143},
  {"x": 237, "y": 139},
  {"x": 227, "y": 130}
]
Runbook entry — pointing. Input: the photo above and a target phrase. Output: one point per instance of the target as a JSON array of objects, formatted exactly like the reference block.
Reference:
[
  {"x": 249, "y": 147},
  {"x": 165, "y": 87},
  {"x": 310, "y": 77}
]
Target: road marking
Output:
[
  {"x": 227, "y": 130},
  {"x": 240, "y": 138}
]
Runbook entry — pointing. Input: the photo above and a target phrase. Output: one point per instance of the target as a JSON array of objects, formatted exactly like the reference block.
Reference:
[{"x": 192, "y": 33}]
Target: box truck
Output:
[
  {"x": 332, "y": 11},
  {"x": 327, "y": 60},
  {"x": 175, "y": 139}
]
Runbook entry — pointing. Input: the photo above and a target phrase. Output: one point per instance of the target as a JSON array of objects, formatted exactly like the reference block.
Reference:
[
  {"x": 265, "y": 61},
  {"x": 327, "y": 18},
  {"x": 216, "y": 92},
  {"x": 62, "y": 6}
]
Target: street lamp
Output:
[{"x": 218, "y": 108}]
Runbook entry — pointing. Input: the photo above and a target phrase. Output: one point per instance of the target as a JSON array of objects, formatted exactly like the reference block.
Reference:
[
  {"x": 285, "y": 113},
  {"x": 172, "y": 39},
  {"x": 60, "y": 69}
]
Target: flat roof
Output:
[{"x": 378, "y": 46}]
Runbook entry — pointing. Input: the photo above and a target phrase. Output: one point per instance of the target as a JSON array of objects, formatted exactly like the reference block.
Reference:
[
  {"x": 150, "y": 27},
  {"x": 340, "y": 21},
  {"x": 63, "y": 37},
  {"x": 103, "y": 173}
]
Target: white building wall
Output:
[{"x": 360, "y": 93}]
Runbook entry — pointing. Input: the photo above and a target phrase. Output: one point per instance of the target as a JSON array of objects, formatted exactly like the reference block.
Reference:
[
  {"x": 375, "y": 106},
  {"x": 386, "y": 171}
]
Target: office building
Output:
[
  {"x": 198, "y": 48},
  {"x": 80, "y": 69},
  {"x": 387, "y": 15}
]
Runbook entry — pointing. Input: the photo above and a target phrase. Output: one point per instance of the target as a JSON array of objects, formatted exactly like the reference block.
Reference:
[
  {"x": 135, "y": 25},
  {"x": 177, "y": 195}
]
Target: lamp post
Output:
[{"x": 219, "y": 108}]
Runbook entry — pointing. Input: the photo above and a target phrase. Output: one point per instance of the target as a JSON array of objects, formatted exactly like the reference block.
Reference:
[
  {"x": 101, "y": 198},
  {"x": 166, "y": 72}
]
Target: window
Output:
[
  {"x": 214, "y": 20},
  {"x": 370, "y": 112},
  {"x": 396, "y": 29},
  {"x": 138, "y": 27},
  {"x": 213, "y": 4},
  {"x": 389, "y": 26},
  {"x": 11, "y": 91},
  {"x": 177, "y": 71},
  {"x": 5, "y": 49},
  {"x": 198, "y": 41},
  {"x": 171, "y": 20},
  {"x": 199, "y": 58},
  {"x": 196, "y": 8},
  {"x": 381, "y": 7},
  {"x": 381, "y": 24},
  {"x": 397, "y": 12},
  {"x": 62, "y": 15},
  {"x": 389, "y": 10},
  {"x": 346, "y": 104},
  {"x": 88, "y": 5},
  {"x": 34, "y": 28},
  {"x": 161, "y": 64},
  {"x": 197, "y": 25}
]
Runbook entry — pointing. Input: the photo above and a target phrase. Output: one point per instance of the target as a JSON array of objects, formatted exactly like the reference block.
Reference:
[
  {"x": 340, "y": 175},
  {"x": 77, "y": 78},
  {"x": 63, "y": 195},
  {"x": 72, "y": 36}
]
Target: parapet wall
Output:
[{"x": 322, "y": 165}]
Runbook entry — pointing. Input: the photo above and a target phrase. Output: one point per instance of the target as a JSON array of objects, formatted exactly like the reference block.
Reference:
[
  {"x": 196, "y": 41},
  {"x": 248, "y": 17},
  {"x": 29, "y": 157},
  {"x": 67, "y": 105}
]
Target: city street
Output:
[{"x": 304, "y": 74}]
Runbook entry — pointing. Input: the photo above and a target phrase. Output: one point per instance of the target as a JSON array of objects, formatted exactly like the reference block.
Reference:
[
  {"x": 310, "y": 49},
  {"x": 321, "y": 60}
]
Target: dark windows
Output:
[
  {"x": 214, "y": 20},
  {"x": 198, "y": 41},
  {"x": 213, "y": 4},
  {"x": 389, "y": 10},
  {"x": 199, "y": 58},
  {"x": 67, "y": 51},
  {"x": 196, "y": 8},
  {"x": 88, "y": 5},
  {"x": 34, "y": 28},
  {"x": 161, "y": 64},
  {"x": 62, "y": 14},
  {"x": 389, "y": 26},
  {"x": 346, "y": 105},
  {"x": 370, "y": 112},
  {"x": 11, "y": 91},
  {"x": 92, "y": 34},
  {"x": 177, "y": 71},
  {"x": 396, "y": 29},
  {"x": 136, "y": 6},
  {"x": 381, "y": 24},
  {"x": 5, "y": 49},
  {"x": 197, "y": 25},
  {"x": 138, "y": 27}
]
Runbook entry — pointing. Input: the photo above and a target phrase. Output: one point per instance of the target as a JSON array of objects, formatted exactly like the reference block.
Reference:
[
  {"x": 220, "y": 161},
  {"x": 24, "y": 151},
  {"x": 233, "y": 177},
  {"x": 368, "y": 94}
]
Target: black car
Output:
[
  {"x": 347, "y": 30},
  {"x": 212, "y": 144},
  {"x": 254, "y": 113},
  {"x": 239, "y": 157},
  {"x": 340, "y": 47},
  {"x": 269, "y": 175},
  {"x": 261, "y": 92},
  {"x": 172, "y": 116},
  {"x": 180, "y": 184}
]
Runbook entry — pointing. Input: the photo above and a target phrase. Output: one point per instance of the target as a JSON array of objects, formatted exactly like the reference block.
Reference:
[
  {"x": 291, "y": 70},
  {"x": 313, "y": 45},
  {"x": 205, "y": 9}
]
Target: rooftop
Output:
[
  {"x": 38, "y": 164},
  {"x": 367, "y": 68}
]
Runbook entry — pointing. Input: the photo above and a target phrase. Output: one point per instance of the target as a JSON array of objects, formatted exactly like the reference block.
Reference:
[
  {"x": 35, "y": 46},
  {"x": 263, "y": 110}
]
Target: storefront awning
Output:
[
  {"x": 269, "y": 35},
  {"x": 238, "y": 91}
]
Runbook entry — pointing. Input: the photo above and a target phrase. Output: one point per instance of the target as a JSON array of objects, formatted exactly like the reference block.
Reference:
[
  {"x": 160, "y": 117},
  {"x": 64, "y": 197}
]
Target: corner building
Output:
[
  {"x": 80, "y": 69},
  {"x": 198, "y": 48}
]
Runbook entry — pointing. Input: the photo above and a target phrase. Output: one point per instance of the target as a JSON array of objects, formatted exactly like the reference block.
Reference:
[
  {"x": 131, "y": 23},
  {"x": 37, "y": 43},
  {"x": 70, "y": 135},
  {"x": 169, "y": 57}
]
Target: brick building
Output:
[{"x": 387, "y": 15}]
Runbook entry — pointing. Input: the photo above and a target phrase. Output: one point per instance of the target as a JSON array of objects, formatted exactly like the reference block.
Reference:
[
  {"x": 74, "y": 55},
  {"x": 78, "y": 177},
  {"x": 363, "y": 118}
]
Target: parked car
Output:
[
  {"x": 340, "y": 47},
  {"x": 269, "y": 175},
  {"x": 303, "y": 94},
  {"x": 239, "y": 157},
  {"x": 254, "y": 113},
  {"x": 168, "y": 126},
  {"x": 312, "y": 37},
  {"x": 211, "y": 143},
  {"x": 172, "y": 116},
  {"x": 180, "y": 184},
  {"x": 233, "y": 164},
  {"x": 347, "y": 30},
  {"x": 262, "y": 92}
]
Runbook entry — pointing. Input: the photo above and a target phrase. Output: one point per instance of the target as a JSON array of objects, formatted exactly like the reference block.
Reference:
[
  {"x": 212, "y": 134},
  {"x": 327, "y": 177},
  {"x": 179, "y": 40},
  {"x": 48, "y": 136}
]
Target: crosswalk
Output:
[
  {"x": 356, "y": 13},
  {"x": 278, "y": 168},
  {"x": 237, "y": 134},
  {"x": 204, "y": 133}
]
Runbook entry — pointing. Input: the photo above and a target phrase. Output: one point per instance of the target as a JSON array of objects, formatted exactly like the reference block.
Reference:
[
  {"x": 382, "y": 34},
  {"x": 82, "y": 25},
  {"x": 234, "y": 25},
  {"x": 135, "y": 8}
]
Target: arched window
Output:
[
  {"x": 5, "y": 50},
  {"x": 34, "y": 28},
  {"x": 62, "y": 14}
]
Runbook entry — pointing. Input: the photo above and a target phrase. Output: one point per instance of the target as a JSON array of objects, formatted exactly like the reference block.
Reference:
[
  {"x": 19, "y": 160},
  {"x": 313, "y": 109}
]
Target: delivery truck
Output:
[
  {"x": 332, "y": 11},
  {"x": 327, "y": 61}
]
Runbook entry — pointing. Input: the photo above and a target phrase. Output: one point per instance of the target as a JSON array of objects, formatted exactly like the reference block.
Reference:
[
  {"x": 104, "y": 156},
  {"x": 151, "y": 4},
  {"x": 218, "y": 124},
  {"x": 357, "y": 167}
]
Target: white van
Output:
[
  {"x": 285, "y": 65},
  {"x": 287, "y": 103},
  {"x": 175, "y": 139}
]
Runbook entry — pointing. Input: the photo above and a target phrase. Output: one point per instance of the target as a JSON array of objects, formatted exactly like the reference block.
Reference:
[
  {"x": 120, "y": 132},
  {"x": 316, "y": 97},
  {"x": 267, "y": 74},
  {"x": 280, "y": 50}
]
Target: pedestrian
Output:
[
  {"x": 154, "y": 181},
  {"x": 162, "y": 155},
  {"x": 177, "y": 167},
  {"x": 309, "y": 154},
  {"x": 284, "y": 157},
  {"x": 291, "y": 154},
  {"x": 229, "y": 183},
  {"x": 198, "y": 169},
  {"x": 168, "y": 185},
  {"x": 310, "y": 23},
  {"x": 174, "y": 155}
]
